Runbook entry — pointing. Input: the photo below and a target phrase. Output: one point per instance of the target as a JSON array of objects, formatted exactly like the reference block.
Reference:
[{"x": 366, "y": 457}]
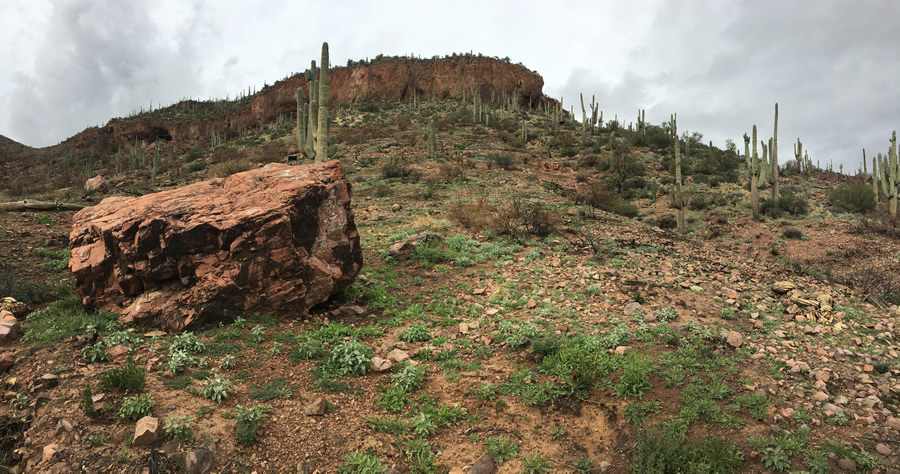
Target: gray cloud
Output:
[{"x": 720, "y": 65}]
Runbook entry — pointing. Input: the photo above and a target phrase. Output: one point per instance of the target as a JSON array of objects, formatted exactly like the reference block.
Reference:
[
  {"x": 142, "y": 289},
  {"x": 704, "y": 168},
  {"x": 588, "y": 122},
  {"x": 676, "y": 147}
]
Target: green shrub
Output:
[
  {"x": 275, "y": 388},
  {"x": 248, "y": 421},
  {"x": 135, "y": 408},
  {"x": 359, "y": 462},
  {"x": 179, "y": 428},
  {"x": 854, "y": 197},
  {"x": 788, "y": 203},
  {"x": 216, "y": 388},
  {"x": 348, "y": 358},
  {"x": 87, "y": 401},
  {"x": 667, "y": 221},
  {"x": 635, "y": 378},
  {"x": 130, "y": 377},
  {"x": 698, "y": 203},
  {"x": 501, "y": 448},
  {"x": 666, "y": 314},
  {"x": 416, "y": 333},
  {"x": 793, "y": 233},
  {"x": 503, "y": 160}
]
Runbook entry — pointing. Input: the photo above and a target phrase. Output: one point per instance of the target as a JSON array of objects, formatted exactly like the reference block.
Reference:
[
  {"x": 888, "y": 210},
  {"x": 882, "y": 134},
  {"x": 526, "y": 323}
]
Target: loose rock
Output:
[
  {"x": 146, "y": 431},
  {"x": 316, "y": 407}
]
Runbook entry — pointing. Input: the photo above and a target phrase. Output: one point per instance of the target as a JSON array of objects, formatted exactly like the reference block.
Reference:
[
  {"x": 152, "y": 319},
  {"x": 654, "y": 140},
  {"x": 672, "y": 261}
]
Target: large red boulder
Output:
[{"x": 278, "y": 238}]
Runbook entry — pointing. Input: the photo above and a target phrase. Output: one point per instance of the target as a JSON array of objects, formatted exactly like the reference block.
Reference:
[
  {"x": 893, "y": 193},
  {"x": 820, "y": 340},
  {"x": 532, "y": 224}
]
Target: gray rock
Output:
[
  {"x": 199, "y": 460},
  {"x": 484, "y": 465},
  {"x": 633, "y": 307},
  {"x": 847, "y": 465}
]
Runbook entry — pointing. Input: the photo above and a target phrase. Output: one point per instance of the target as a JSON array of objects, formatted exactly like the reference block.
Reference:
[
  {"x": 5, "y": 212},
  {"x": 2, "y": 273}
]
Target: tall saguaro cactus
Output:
[
  {"x": 322, "y": 132},
  {"x": 773, "y": 153},
  {"x": 875, "y": 177},
  {"x": 679, "y": 200},
  {"x": 798, "y": 154},
  {"x": 301, "y": 120},
  {"x": 890, "y": 175},
  {"x": 430, "y": 140},
  {"x": 755, "y": 171}
]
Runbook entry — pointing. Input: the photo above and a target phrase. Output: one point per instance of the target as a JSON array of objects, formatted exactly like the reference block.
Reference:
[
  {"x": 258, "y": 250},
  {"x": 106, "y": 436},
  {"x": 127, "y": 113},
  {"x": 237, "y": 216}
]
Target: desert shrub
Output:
[
  {"x": 530, "y": 217},
  {"x": 248, "y": 420},
  {"x": 135, "y": 408},
  {"x": 369, "y": 107},
  {"x": 451, "y": 172},
  {"x": 395, "y": 168},
  {"x": 129, "y": 378},
  {"x": 701, "y": 178},
  {"x": 789, "y": 203},
  {"x": 853, "y": 197},
  {"x": 697, "y": 203},
  {"x": 503, "y": 160},
  {"x": 624, "y": 208},
  {"x": 715, "y": 181},
  {"x": 667, "y": 221},
  {"x": 473, "y": 215},
  {"x": 792, "y": 233}
]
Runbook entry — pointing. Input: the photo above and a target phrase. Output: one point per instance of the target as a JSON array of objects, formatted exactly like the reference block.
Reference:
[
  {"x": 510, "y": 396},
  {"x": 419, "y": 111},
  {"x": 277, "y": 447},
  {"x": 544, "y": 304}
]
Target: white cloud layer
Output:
[{"x": 831, "y": 65}]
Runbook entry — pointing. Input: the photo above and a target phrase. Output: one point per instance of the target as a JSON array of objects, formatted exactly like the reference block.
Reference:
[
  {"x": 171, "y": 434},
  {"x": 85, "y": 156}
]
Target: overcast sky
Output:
[{"x": 833, "y": 66}]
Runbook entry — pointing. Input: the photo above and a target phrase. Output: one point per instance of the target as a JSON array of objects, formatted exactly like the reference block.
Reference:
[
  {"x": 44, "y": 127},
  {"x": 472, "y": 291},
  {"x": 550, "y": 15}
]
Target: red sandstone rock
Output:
[
  {"x": 97, "y": 183},
  {"x": 278, "y": 238}
]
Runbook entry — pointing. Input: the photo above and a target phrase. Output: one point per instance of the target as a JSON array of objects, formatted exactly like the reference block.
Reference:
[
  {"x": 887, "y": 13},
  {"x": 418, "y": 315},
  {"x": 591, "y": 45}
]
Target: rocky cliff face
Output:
[{"x": 389, "y": 79}]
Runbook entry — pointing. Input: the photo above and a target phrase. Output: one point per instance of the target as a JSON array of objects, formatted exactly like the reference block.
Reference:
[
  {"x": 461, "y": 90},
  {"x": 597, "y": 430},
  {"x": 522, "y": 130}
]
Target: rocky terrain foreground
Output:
[{"x": 519, "y": 309}]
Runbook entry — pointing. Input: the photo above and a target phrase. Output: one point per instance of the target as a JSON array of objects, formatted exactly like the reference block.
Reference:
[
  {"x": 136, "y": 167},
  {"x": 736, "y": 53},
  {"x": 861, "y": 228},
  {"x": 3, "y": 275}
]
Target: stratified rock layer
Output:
[{"x": 278, "y": 238}]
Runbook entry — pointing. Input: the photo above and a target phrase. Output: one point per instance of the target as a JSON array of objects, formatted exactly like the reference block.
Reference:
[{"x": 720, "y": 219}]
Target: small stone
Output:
[
  {"x": 146, "y": 431},
  {"x": 49, "y": 381},
  {"x": 868, "y": 368},
  {"x": 316, "y": 407},
  {"x": 484, "y": 465},
  {"x": 604, "y": 466},
  {"x": 821, "y": 376},
  {"x": 847, "y": 465},
  {"x": 787, "y": 412},
  {"x": 621, "y": 350},
  {"x": 893, "y": 422},
  {"x": 531, "y": 303},
  {"x": 398, "y": 355},
  {"x": 735, "y": 339},
  {"x": 7, "y": 359},
  {"x": 9, "y": 332},
  {"x": 633, "y": 307},
  {"x": 49, "y": 451},
  {"x": 871, "y": 401},
  {"x": 199, "y": 460},
  {"x": 117, "y": 352},
  {"x": 832, "y": 408},
  {"x": 396, "y": 207},
  {"x": 820, "y": 396},
  {"x": 381, "y": 365},
  {"x": 883, "y": 449},
  {"x": 63, "y": 425},
  {"x": 463, "y": 328}
]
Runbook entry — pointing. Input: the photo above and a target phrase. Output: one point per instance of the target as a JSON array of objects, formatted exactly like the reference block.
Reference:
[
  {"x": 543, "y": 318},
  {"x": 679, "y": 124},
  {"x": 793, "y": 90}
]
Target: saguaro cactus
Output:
[
  {"x": 301, "y": 120},
  {"x": 773, "y": 152},
  {"x": 875, "y": 178},
  {"x": 890, "y": 175},
  {"x": 679, "y": 198},
  {"x": 431, "y": 142},
  {"x": 755, "y": 171},
  {"x": 798, "y": 154},
  {"x": 322, "y": 132}
]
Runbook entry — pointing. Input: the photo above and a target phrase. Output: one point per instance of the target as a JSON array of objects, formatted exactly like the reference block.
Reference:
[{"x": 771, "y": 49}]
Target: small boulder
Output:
[
  {"x": 633, "y": 307},
  {"x": 381, "y": 365},
  {"x": 146, "y": 431},
  {"x": 848, "y": 465},
  {"x": 199, "y": 460},
  {"x": 883, "y": 449},
  {"x": 10, "y": 331},
  {"x": 734, "y": 339},
  {"x": 116, "y": 352},
  {"x": 96, "y": 184},
  {"x": 7, "y": 359},
  {"x": 316, "y": 407},
  {"x": 398, "y": 355},
  {"x": 484, "y": 465}
]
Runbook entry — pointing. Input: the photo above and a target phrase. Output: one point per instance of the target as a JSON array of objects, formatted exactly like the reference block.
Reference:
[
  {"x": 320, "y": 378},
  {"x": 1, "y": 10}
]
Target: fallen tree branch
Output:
[{"x": 39, "y": 206}]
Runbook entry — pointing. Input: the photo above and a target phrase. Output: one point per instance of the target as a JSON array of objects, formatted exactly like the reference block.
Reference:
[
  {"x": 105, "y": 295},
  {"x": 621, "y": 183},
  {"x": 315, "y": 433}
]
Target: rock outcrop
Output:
[{"x": 279, "y": 238}]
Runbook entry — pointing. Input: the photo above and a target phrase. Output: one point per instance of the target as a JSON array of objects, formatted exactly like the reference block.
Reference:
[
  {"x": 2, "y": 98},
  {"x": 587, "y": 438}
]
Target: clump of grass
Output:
[
  {"x": 130, "y": 377},
  {"x": 635, "y": 378},
  {"x": 501, "y": 448},
  {"x": 64, "y": 318},
  {"x": 275, "y": 388},
  {"x": 359, "y": 462}
]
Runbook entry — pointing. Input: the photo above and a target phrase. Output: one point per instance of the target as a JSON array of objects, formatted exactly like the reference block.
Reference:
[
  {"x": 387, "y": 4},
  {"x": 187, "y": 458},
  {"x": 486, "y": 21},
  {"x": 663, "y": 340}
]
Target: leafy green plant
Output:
[
  {"x": 501, "y": 448},
  {"x": 635, "y": 378},
  {"x": 359, "y": 462},
  {"x": 19, "y": 401},
  {"x": 137, "y": 407},
  {"x": 776, "y": 459},
  {"x": 95, "y": 353},
  {"x": 179, "y": 428},
  {"x": 348, "y": 358},
  {"x": 130, "y": 377},
  {"x": 64, "y": 318},
  {"x": 536, "y": 464},
  {"x": 416, "y": 333},
  {"x": 756, "y": 404},
  {"x": 216, "y": 388},
  {"x": 486, "y": 392},
  {"x": 583, "y": 465},
  {"x": 87, "y": 400},
  {"x": 256, "y": 335},
  {"x": 248, "y": 421},
  {"x": 409, "y": 378},
  {"x": 228, "y": 362},
  {"x": 393, "y": 399},
  {"x": 664, "y": 315}
]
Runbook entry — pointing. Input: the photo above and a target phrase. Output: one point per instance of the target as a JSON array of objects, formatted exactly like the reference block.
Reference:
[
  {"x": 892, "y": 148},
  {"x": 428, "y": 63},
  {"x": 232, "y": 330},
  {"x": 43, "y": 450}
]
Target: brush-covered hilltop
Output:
[{"x": 541, "y": 291}]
